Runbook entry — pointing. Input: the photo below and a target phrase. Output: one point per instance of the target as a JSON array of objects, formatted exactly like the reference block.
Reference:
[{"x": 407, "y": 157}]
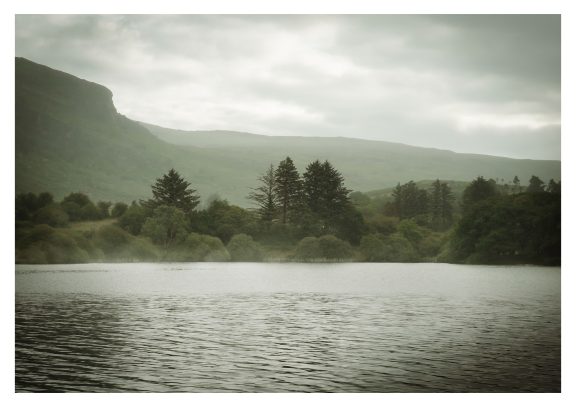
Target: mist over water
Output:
[{"x": 242, "y": 327}]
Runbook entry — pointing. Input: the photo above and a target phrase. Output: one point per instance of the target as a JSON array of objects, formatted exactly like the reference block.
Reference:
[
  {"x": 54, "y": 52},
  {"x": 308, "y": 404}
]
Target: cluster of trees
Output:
[
  {"x": 42, "y": 243},
  {"x": 315, "y": 203},
  {"x": 433, "y": 207},
  {"x": 308, "y": 217},
  {"x": 42, "y": 209},
  {"x": 499, "y": 228}
]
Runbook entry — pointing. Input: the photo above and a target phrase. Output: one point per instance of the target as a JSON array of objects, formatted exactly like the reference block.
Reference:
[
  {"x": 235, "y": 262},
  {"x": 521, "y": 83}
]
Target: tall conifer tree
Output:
[
  {"x": 440, "y": 205},
  {"x": 172, "y": 190},
  {"x": 324, "y": 191},
  {"x": 287, "y": 186},
  {"x": 265, "y": 195}
]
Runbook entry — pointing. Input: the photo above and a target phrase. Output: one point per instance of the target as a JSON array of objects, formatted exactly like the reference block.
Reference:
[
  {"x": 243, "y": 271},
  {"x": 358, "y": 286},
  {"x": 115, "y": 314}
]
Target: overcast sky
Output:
[{"x": 480, "y": 84}]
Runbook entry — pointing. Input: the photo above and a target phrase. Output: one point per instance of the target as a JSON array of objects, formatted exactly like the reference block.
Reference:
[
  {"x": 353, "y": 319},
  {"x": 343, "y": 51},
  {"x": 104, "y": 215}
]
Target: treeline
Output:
[
  {"x": 500, "y": 228},
  {"x": 300, "y": 217}
]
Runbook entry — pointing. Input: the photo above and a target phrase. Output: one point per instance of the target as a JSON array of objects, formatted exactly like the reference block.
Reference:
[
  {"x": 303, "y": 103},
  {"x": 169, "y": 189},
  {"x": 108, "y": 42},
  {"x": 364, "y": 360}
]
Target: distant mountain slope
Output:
[
  {"x": 366, "y": 164},
  {"x": 69, "y": 137}
]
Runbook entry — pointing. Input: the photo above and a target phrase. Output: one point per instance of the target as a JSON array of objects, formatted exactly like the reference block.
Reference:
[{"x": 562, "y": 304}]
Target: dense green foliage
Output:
[
  {"x": 223, "y": 220},
  {"x": 440, "y": 205},
  {"x": 166, "y": 227},
  {"x": 44, "y": 244},
  {"x": 492, "y": 225},
  {"x": 522, "y": 228},
  {"x": 327, "y": 247},
  {"x": 243, "y": 248},
  {"x": 480, "y": 189}
]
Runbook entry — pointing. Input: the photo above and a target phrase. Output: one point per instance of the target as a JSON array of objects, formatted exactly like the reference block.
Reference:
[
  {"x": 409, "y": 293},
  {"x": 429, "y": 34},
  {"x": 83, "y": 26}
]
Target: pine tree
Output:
[
  {"x": 409, "y": 200},
  {"x": 435, "y": 204},
  {"x": 265, "y": 195},
  {"x": 440, "y": 205},
  {"x": 516, "y": 187},
  {"x": 287, "y": 187},
  {"x": 324, "y": 191},
  {"x": 553, "y": 187},
  {"x": 446, "y": 208},
  {"x": 478, "y": 190},
  {"x": 173, "y": 190},
  {"x": 535, "y": 185}
]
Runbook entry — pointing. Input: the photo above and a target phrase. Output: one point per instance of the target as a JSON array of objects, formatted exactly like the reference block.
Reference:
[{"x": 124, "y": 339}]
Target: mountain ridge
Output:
[
  {"x": 70, "y": 137},
  {"x": 171, "y": 135}
]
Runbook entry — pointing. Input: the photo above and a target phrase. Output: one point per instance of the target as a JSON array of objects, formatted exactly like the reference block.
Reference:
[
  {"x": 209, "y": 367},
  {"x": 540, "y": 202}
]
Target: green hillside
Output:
[
  {"x": 367, "y": 165},
  {"x": 69, "y": 137}
]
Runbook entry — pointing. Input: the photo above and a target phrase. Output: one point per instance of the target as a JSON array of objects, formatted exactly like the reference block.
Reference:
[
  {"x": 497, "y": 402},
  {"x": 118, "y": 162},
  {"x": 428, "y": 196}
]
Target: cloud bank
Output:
[{"x": 487, "y": 84}]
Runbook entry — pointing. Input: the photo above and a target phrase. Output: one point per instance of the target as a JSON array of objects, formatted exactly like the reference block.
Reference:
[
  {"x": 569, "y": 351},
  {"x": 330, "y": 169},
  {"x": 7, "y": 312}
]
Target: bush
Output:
[
  {"x": 399, "y": 249},
  {"x": 382, "y": 224},
  {"x": 104, "y": 209},
  {"x": 118, "y": 209},
  {"x": 28, "y": 203},
  {"x": 372, "y": 248},
  {"x": 412, "y": 231},
  {"x": 139, "y": 249},
  {"x": 308, "y": 249},
  {"x": 431, "y": 245},
  {"x": 133, "y": 219},
  {"x": 117, "y": 244},
  {"x": 199, "y": 247},
  {"x": 243, "y": 248},
  {"x": 167, "y": 226},
  {"x": 90, "y": 212},
  {"x": 333, "y": 248},
  {"x": 86, "y": 242},
  {"x": 62, "y": 248},
  {"x": 111, "y": 239},
  {"x": 52, "y": 215},
  {"x": 44, "y": 244},
  {"x": 31, "y": 255},
  {"x": 192, "y": 249},
  {"x": 25, "y": 238},
  {"x": 327, "y": 247},
  {"x": 73, "y": 210},
  {"x": 79, "y": 207}
]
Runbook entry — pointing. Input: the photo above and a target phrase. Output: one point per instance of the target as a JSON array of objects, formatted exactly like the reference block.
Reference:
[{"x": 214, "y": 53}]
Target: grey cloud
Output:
[{"x": 486, "y": 84}]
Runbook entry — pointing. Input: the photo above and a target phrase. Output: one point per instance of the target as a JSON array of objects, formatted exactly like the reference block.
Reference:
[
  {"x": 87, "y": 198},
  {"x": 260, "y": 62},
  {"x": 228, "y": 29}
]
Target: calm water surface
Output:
[{"x": 242, "y": 327}]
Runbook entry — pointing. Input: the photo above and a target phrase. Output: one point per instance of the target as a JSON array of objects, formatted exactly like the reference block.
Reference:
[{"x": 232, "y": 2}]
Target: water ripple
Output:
[{"x": 286, "y": 342}]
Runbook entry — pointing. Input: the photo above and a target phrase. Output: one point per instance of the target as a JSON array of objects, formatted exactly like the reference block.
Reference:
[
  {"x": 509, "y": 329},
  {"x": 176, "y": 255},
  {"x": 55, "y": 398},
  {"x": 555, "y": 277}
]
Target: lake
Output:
[{"x": 262, "y": 327}]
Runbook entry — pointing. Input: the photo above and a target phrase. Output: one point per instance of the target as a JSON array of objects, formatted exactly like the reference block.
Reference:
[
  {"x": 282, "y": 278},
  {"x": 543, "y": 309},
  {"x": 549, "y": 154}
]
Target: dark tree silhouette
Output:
[
  {"x": 535, "y": 185},
  {"x": 516, "y": 182},
  {"x": 553, "y": 187},
  {"x": 324, "y": 191},
  {"x": 173, "y": 190},
  {"x": 287, "y": 187},
  {"x": 440, "y": 205},
  {"x": 478, "y": 190},
  {"x": 409, "y": 200},
  {"x": 265, "y": 195}
]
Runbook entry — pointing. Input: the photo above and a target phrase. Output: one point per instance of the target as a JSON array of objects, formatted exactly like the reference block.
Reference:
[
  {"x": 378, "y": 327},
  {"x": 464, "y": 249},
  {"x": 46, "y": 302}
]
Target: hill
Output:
[
  {"x": 367, "y": 165},
  {"x": 69, "y": 137}
]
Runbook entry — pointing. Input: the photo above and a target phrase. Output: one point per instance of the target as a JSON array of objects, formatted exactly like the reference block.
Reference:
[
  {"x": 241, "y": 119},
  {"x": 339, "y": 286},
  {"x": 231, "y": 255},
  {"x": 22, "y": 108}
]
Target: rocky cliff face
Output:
[{"x": 37, "y": 84}]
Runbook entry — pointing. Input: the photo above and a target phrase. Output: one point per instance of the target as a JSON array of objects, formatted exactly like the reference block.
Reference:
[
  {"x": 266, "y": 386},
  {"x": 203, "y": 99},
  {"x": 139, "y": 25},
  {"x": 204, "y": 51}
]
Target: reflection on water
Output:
[{"x": 397, "y": 329}]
